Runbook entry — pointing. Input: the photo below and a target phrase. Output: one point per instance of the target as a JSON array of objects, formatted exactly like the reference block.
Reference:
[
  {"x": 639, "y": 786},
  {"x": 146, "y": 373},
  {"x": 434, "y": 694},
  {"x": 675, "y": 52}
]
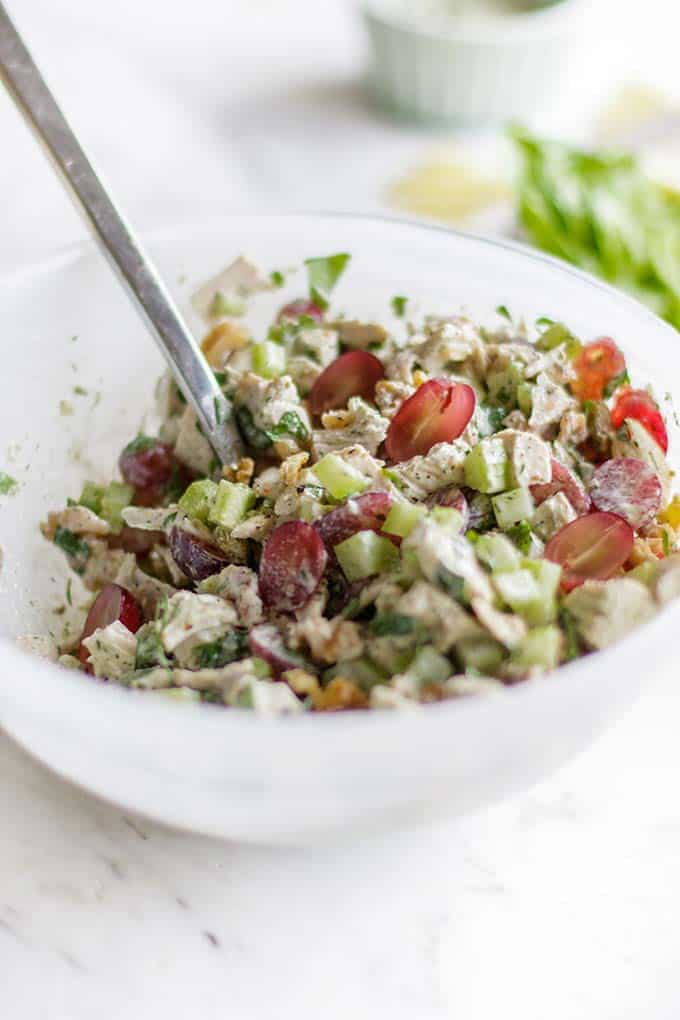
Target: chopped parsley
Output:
[
  {"x": 277, "y": 278},
  {"x": 80, "y": 391},
  {"x": 8, "y": 485},
  {"x": 150, "y": 651},
  {"x": 489, "y": 419},
  {"x": 139, "y": 444},
  {"x": 76, "y": 548},
  {"x": 290, "y": 424},
  {"x": 69, "y": 592},
  {"x": 544, "y": 321},
  {"x": 323, "y": 274},
  {"x": 614, "y": 384},
  {"x": 222, "y": 651},
  {"x": 502, "y": 310},
  {"x": 399, "y": 303}
]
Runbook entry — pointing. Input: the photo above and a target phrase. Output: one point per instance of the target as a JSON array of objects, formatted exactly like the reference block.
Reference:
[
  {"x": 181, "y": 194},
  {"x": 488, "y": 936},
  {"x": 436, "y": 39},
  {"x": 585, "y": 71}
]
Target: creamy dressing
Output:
[{"x": 468, "y": 11}]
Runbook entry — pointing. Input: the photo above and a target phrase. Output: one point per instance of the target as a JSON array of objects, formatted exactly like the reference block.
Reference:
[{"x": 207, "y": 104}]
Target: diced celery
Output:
[
  {"x": 360, "y": 671},
  {"x": 232, "y": 502},
  {"x": 91, "y": 497},
  {"x": 481, "y": 653},
  {"x": 502, "y": 384},
  {"x": 451, "y": 518},
  {"x": 197, "y": 500},
  {"x": 340, "y": 479},
  {"x": 512, "y": 507},
  {"x": 517, "y": 588},
  {"x": 525, "y": 398},
  {"x": 645, "y": 572},
  {"x": 176, "y": 694},
  {"x": 547, "y": 576},
  {"x": 365, "y": 554},
  {"x": 269, "y": 359},
  {"x": 402, "y": 518},
  {"x": 497, "y": 552},
  {"x": 115, "y": 497},
  {"x": 261, "y": 667},
  {"x": 487, "y": 468},
  {"x": 541, "y": 647},
  {"x": 430, "y": 666},
  {"x": 558, "y": 334}
]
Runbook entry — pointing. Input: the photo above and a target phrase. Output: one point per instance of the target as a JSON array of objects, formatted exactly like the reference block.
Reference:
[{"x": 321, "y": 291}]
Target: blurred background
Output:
[{"x": 197, "y": 109}]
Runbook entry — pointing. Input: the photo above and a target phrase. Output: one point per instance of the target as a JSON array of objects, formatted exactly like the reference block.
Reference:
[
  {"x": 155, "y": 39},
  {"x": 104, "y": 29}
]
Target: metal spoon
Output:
[{"x": 134, "y": 268}]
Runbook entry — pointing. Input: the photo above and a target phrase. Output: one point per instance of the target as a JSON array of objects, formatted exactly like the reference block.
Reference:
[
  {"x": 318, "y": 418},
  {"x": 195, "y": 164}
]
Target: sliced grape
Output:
[
  {"x": 267, "y": 643},
  {"x": 452, "y": 497},
  {"x": 353, "y": 374},
  {"x": 146, "y": 463},
  {"x": 194, "y": 556},
  {"x": 302, "y": 306},
  {"x": 593, "y": 547},
  {"x": 638, "y": 404},
  {"x": 292, "y": 565},
  {"x": 362, "y": 513},
  {"x": 437, "y": 412},
  {"x": 598, "y": 365},
  {"x": 112, "y": 603},
  {"x": 629, "y": 488},
  {"x": 563, "y": 480}
]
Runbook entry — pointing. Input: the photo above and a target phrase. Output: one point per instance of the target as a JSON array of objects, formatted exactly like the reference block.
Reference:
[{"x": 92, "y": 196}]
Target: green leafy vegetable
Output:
[
  {"x": 76, "y": 548},
  {"x": 222, "y": 651},
  {"x": 620, "y": 380},
  {"x": 392, "y": 625},
  {"x": 150, "y": 651},
  {"x": 399, "y": 304},
  {"x": 290, "y": 424},
  {"x": 324, "y": 273},
  {"x": 599, "y": 211},
  {"x": 139, "y": 444},
  {"x": 8, "y": 485},
  {"x": 502, "y": 310}
]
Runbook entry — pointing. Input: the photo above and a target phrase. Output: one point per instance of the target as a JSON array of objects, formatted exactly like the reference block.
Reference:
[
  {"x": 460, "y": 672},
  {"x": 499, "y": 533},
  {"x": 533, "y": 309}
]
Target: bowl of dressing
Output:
[{"x": 471, "y": 61}]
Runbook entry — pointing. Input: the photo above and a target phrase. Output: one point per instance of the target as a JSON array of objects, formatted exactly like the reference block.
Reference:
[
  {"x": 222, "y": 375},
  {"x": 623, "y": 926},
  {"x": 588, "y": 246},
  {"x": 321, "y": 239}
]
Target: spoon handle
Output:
[{"x": 185, "y": 359}]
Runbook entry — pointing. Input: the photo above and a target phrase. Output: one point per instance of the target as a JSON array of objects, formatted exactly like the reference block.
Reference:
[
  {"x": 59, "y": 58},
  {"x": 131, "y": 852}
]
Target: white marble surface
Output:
[{"x": 563, "y": 901}]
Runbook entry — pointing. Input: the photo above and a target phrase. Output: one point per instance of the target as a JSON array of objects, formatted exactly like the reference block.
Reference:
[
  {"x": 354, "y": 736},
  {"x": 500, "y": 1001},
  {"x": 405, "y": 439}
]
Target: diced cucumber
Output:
[
  {"x": 402, "y": 518},
  {"x": 115, "y": 497},
  {"x": 451, "y": 518},
  {"x": 542, "y": 647},
  {"x": 196, "y": 502},
  {"x": 91, "y": 497},
  {"x": 232, "y": 502},
  {"x": 497, "y": 553},
  {"x": 487, "y": 468},
  {"x": 518, "y": 589},
  {"x": 525, "y": 398},
  {"x": 269, "y": 359},
  {"x": 339, "y": 478},
  {"x": 512, "y": 507},
  {"x": 366, "y": 554},
  {"x": 481, "y": 653}
]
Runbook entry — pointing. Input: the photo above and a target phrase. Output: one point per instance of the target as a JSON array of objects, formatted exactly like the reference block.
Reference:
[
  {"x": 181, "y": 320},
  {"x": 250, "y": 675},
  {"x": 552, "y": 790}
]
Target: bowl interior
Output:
[{"x": 79, "y": 377}]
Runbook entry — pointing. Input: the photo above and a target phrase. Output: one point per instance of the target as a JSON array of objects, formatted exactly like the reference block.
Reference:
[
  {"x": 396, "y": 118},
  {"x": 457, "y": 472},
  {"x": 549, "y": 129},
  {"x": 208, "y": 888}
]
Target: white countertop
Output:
[{"x": 561, "y": 902}]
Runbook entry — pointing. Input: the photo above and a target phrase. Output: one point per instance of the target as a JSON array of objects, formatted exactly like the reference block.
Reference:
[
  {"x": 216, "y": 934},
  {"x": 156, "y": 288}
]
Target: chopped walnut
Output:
[
  {"x": 222, "y": 340},
  {"x": 292, "y": 467},
  {"x": 240, "y": 472},
  {"x": 340, "y": 694}
]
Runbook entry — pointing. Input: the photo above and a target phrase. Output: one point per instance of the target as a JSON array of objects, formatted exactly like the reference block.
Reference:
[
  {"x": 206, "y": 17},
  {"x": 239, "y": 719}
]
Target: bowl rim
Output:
[
  {"x": 515, "y": 27},
  {"x": 316, "y": 728}
]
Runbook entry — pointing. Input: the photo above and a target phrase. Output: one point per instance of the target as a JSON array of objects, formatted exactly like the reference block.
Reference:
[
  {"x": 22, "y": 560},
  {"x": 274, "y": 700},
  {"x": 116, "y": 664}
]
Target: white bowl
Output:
[
  {"x": 445, "y": 69},
  {"x": 229, "y": 773}
]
